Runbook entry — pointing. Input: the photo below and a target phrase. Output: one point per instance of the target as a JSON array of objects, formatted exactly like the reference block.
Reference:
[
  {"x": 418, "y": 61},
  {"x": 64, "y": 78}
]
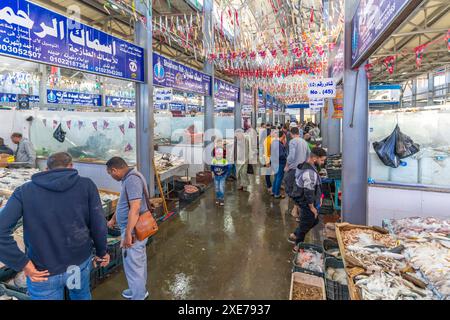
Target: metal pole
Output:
[
  {"x": 238, "y": 106},
  {"x": 43, "y": 85},
  {"x": 208, "y": 36},
  {"x": 355, "y": 137},
  {"x": 144, "y": 98},
  {"x": 255, "y": 108},
  {"x": 430, "y": 88},
  {"x": 302, "y": 114}
]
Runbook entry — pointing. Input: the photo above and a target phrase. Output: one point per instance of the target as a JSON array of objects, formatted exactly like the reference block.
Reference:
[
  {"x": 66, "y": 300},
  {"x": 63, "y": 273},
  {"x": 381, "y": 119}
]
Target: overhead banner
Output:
[
  {"x": 73, "y": 98},
  {"x": 321, "y": 88},
  {"x": 32, "y": 32},
  {"x": 371, "y": 20},
  {"x": 168, "y": 73},
  {"x": 247, "y": 99},
  {"x": 261, "y": 104},
  {"x": 225, "y": 91},
  {"x": 121, "y": 102}
]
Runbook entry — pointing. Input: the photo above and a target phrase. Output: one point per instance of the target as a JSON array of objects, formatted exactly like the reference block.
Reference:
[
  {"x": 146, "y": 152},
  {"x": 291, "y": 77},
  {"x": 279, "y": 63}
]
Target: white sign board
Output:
[
  {"x": 316, "y": 103},
  {"x": 163, "y": 95},
  {"x": 321, "y": 88}
]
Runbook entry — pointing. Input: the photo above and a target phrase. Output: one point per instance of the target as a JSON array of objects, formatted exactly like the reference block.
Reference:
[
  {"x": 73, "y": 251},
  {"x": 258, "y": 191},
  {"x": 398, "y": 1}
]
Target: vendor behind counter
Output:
[{"x": 25, "y": 152}]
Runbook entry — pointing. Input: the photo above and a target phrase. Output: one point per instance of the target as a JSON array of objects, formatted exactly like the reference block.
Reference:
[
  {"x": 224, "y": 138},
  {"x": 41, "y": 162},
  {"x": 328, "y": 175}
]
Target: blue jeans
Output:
[
  {"x": 219, "y": 185},
  {"x": 53, "y": 288},
  {"x": 135, "y": 267},
  {"x": 278, "y": 180}
]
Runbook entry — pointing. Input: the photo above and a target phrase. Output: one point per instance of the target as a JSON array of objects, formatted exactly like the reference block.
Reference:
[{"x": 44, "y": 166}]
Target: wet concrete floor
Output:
[{"x": 239, "y": 251}]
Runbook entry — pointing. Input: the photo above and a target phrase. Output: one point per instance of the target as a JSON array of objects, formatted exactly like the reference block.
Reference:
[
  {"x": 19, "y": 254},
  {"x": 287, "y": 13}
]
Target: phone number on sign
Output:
[
  {"x": 68, "y": 63},
  {"x": 19, "y": 51}
]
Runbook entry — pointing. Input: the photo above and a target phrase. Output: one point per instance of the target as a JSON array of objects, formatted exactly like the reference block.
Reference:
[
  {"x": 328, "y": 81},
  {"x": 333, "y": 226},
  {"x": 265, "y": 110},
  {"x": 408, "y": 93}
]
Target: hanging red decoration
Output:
[
  {"x": 368, "y": 68},
  {"x": 419, "y": 50},
  {"x": 389, "y": 63},
  {"x": 273, "y": 53}
]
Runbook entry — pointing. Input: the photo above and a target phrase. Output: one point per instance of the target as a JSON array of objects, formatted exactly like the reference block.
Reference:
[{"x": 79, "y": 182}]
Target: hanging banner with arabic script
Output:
[
  {"x": 73, "y": 98},
  {"x": 225, "y": 91},
  {"x": 171, "y": 74},
  {"x": 31, "y": 32}
]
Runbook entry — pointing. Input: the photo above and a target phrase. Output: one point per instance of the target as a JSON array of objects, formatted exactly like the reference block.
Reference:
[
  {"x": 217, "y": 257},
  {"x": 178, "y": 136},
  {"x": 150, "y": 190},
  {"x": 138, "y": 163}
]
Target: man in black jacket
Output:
[
  {"x": 308, "y": 193},
  {"x": 63, "y": 221}
]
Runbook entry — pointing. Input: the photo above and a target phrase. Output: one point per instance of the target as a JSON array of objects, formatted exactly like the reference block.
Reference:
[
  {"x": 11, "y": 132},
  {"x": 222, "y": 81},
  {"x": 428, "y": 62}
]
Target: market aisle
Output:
[{"x": 236, "y": 252}]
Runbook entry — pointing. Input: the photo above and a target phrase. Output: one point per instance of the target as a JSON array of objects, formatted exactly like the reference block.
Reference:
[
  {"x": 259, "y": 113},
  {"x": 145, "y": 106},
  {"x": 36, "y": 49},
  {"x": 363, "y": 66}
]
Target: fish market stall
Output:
[
  {"x": 427, "y": 243},
  {"x": 378, "y": 265}
]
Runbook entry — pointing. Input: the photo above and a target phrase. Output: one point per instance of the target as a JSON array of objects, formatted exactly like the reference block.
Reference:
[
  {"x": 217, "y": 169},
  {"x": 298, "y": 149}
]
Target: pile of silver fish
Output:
[
  {"x": 419, "y": 227},
  {"x": 165, "y": 161},
  {"x": 10, "y": 179},
  {"x": 389, "y": 286}
]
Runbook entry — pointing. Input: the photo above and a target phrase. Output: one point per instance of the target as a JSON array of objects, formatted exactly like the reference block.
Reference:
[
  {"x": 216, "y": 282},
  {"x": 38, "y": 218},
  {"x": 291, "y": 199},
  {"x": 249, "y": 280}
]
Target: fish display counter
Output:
[{"x": 380, "y": 266}]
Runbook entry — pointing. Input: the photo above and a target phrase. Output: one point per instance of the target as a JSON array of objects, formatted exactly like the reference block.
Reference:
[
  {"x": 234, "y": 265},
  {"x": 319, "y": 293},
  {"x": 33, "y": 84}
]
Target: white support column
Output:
[{"x": 355, "y": 133}]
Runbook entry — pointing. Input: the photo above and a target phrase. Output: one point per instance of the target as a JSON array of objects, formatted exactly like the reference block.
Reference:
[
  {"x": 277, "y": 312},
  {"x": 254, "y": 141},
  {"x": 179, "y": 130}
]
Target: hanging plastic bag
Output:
[
  {"x": 59, "y": 134},
  {"x": 405, "y": 146},
  {"x": 385, "y": 149}
]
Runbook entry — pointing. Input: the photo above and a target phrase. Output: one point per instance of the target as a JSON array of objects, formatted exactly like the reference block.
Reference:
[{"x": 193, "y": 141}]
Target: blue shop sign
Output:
[
  {"x": 12, "y": 98},
  {"x": 112, "y": 101},
  {"x": 168, "y": 73},
  {"x": 225, "y": 91},
  {"x": 32, "y": 32},
  {"x": 73, "y": 98},
  {"x": 177, "y": 107},
  {"x": 371, "y": 20}
]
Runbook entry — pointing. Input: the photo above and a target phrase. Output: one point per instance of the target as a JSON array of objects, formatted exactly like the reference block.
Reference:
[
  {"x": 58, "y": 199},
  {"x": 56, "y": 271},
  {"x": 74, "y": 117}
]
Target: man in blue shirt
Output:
[
  {"x": 131, "y": 204},
  {"x": 63, "y": 221}
]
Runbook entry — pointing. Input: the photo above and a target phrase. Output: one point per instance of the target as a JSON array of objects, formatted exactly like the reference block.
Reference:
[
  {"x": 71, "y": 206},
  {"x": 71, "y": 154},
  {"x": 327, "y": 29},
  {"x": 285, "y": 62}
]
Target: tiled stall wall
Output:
[{"x": 386, "y": 203}]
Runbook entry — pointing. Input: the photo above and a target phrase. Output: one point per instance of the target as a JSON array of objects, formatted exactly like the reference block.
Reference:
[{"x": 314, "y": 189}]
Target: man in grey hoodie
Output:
[
  {"x": 308, "y": 193},
  {"x": 25, "y": 151},
  {"x": 298, "y": 153}
]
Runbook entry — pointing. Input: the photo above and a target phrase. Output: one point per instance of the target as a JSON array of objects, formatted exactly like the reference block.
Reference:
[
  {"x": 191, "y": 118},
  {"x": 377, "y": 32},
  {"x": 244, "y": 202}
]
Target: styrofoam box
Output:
[
  {"x": 435, "y": 172},
  {"x": 408, "y": 174}
]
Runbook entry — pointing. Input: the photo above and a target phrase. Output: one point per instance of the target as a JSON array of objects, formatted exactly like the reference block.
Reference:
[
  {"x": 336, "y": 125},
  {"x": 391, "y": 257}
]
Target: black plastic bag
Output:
[
  {"x": 59, "y": 134},
  {"x": 405, "y": 146},
  {"x": 250, "y": 169},
  {"x": 386, "y": 149}
]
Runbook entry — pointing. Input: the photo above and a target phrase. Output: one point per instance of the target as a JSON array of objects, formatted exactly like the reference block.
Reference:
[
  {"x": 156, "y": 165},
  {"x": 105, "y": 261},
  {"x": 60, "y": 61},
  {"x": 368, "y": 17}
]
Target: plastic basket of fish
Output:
[
  {"x": 309, "y": 260},
  {"x": 336, "y": 279},
  {"x": 331, "y": 249},
  {"x": 327, "y": 206},
  {"x": 114, "y": 250},
  {"x": 8, "y": 294}
]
